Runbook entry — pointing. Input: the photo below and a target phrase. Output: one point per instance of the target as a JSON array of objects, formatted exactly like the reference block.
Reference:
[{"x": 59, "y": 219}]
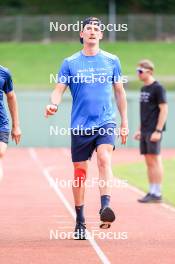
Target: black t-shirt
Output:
[{"x": 150, "y": 97}]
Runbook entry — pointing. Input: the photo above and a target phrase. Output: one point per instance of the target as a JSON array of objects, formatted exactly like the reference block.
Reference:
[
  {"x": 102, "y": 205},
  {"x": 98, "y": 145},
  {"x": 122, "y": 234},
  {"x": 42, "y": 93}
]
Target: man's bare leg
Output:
[
  {"x": 155, "y": 173},
  {"x": 78, "y": 187},
  {"x": 80, "y": 172},
  {"x": 104, "y": 158}
]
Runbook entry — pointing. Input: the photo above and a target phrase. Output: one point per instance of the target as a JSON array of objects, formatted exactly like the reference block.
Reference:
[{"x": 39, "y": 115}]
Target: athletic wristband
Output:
[{"x": 159, "y": 131}]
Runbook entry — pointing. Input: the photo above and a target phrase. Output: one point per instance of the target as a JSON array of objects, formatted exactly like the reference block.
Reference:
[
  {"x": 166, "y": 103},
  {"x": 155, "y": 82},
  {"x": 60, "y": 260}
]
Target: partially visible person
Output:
[
  {"x": 153, "y": 116},
  {"x": 6, "y": 86}
]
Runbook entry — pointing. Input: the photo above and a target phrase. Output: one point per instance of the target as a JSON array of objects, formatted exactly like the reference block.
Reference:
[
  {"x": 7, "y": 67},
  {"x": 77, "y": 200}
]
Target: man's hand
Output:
[
  {"x": 50, "y": 110},
  {"x": 155, "y": 136},
  {"x": 124, "y": 131},
  {"x": 137, "y": 135},
  {"x": 16, "y": 134}
]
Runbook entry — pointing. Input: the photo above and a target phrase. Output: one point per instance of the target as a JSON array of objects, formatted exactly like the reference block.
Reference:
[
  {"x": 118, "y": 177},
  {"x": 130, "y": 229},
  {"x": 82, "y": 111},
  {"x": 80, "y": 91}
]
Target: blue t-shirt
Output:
[
  {"x": 6, "y": 86},
  {"x": 90, "y": 79}
]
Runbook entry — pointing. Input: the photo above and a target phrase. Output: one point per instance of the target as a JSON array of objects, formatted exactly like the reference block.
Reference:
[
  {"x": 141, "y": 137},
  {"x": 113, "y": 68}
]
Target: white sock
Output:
[
  {"x": 152, "y": 188},
  {"x": 157, "y": 189}
]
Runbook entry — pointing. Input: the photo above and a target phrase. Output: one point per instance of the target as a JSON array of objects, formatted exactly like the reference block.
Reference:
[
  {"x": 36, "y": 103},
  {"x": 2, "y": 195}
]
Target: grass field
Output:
[
  {"x": 32, "y": 63},
  {"x": 136, "y": 175}
]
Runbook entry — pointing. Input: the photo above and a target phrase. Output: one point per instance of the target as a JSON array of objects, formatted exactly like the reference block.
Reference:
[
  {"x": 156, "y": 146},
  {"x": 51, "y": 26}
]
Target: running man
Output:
[
  {"x": 91, "y": 75},
  {"x": 153, "y": 114},
  {"x": 6, "y": 86}
]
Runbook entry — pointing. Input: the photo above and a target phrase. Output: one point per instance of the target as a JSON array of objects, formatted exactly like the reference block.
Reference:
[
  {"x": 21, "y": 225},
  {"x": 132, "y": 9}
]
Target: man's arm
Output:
[
  {"x": 56, "y": 98},
  {"x": 57, "y": 93},
  {"x": 162, "y": 116},
  {"x": 120, "y": 97},
  {"x": 161, "y": 122},
  {"x": 13, "y": 108}
]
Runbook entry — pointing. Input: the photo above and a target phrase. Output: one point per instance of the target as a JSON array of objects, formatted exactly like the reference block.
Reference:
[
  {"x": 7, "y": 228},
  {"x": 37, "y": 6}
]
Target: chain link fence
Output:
[{"x": 42, "y": 28}]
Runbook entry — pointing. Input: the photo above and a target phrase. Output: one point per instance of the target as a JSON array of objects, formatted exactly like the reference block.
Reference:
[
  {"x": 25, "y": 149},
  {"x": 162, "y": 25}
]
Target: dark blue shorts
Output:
[
  {"x": 4, "y": 137},
  {"x": 83, "y": 145}
]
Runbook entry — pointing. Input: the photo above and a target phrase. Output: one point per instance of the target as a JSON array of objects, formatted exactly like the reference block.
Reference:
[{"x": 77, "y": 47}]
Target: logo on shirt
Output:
[{"x": 144, "y": 97}]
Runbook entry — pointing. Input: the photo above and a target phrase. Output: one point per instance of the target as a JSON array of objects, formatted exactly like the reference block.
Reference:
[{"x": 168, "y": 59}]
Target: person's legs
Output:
[
  {"x": 104, "y": 157},
  {"x": 155, "y": 172},
  {"x": 151, "y": 151},
  {"x": 3, "y": 148},
  {"x": 82, "y": 147},
  {"x": 78, "y": 187},
  {"x": 155, "y": 175}
]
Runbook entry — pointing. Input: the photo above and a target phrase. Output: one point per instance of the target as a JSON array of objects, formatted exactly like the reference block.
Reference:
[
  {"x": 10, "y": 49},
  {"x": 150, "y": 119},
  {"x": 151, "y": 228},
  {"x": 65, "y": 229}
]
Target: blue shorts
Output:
[
  {"x": 4, "y": 137},
  {"x": 83, "y": 145}
]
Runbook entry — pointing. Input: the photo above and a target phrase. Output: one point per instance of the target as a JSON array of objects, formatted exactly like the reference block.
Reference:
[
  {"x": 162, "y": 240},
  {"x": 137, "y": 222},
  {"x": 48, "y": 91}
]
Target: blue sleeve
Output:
[
  {"x": 64, "y": 73},
  {"x": 117, "y": 73},
  {"x": 8, "y": 86}
]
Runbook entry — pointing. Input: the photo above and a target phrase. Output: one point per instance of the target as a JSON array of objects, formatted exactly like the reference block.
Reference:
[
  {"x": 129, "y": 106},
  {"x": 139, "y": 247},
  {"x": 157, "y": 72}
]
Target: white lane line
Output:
[
  {"x": 169, "y": 207},
  {"x": 52, "y": 183}
]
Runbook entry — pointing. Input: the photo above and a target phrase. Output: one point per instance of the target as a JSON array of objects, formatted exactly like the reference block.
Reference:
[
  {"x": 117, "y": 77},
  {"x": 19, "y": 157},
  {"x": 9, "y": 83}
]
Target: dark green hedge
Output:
[{"x": 85, "y": 7}]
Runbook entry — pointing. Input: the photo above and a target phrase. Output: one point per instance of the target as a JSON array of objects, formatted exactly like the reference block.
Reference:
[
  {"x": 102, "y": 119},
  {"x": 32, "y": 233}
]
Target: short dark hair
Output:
[{"x": 92, "y": 21}]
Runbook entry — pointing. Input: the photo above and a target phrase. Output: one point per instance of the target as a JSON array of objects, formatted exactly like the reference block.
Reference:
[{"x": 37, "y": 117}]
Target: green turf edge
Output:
[{"x": 135, "y": 174}]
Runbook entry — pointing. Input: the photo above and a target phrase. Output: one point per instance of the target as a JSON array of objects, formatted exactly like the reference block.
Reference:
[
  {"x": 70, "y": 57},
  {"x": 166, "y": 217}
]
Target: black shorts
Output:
[
  {"x": 82, "y": 146},
  {"x": 149, "y": 147},
  {"x": 4, "y": 137}
]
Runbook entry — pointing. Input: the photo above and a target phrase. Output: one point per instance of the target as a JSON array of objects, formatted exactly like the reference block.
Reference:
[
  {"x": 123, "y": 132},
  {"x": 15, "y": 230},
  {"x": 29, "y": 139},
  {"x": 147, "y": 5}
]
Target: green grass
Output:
[
  {"x": 136, "y": 175},
  {"x": 32, "y": 63}
]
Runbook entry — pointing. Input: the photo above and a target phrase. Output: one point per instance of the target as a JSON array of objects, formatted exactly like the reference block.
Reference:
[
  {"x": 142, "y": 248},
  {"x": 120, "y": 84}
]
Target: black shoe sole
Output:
[
  {"x": 79, "y": 237},
  {"x": 107, "y": 216},
  {"x": 150, "y": 201}
]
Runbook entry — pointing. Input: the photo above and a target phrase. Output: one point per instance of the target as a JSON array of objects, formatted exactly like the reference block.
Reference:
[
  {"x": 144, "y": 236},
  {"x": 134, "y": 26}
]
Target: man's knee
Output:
[
  {"x": 152, "y": 160},
  {"x": 79, "y": 177},
  {"x": 104, "y": 160}
]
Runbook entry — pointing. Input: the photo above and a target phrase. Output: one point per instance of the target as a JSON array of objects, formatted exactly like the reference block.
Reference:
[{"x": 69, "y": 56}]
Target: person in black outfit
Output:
[{"x": 153, "y": 115}]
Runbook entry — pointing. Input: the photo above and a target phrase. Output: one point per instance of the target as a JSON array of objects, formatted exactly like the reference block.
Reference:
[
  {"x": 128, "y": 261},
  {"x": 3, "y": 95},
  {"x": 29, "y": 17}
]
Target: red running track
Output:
[{"x": 31, "y": 207}]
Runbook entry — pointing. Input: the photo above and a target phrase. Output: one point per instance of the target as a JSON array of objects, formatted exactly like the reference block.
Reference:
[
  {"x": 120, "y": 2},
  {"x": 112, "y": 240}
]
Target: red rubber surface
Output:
[{"x": 30, "y": 208}]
